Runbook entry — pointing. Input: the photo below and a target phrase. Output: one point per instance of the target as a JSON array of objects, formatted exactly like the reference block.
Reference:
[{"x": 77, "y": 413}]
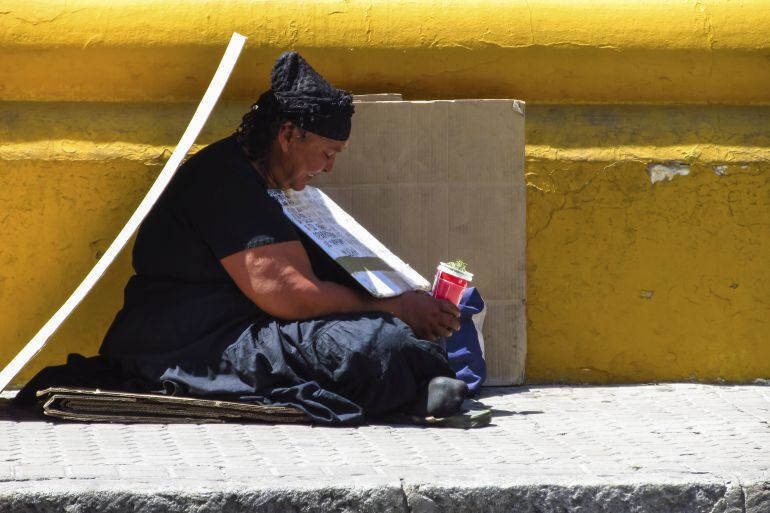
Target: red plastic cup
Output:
[{"x": 450, "y": 283}]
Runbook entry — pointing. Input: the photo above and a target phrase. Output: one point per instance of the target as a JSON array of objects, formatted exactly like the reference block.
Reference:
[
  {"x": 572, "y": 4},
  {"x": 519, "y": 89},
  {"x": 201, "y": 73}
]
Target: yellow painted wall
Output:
[
  {"x": 627, "y": 280},
  {"x": 635, "y": 281},
  {"x": 539, "y": 50}
]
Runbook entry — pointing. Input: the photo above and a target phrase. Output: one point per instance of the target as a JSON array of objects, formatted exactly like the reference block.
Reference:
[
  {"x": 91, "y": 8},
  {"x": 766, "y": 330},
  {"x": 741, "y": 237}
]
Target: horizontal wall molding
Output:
[
  {"x": 146, "y": 132},
  {"x": 536, "y": 50}
]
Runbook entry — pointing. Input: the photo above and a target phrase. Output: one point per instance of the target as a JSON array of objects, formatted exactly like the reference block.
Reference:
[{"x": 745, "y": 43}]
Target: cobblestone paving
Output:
[{"x": 593, "y": 434}]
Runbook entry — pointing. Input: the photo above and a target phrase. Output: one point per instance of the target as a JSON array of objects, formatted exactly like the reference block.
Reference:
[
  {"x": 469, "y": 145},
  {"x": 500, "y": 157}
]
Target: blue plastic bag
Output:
[{"x": 465, "y": 347}]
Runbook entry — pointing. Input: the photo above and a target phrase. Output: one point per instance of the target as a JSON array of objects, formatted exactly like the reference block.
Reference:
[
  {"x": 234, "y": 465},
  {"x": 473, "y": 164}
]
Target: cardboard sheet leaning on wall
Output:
[{"x": 444, "y": 180}]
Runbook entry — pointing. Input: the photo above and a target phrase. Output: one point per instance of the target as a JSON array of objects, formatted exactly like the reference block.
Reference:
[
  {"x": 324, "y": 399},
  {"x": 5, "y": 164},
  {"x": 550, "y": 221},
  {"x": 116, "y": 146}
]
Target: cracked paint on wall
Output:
[
  {"x": 667, "y": 171},
  {"x": 620, "y": 271}
]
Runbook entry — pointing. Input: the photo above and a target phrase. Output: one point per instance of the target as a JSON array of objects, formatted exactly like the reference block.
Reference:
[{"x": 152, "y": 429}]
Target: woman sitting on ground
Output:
[{"x": 230, "y": 300}]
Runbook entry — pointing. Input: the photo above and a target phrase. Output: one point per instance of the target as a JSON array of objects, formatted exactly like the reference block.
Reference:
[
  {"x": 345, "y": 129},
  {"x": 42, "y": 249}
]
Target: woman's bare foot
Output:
[{"x": 441, "y": 397}]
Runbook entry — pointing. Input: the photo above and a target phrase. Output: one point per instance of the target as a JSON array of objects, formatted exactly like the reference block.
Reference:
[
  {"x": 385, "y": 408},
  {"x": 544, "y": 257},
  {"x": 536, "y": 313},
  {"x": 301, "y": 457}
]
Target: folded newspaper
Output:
[{"x": 365, "y": 258}]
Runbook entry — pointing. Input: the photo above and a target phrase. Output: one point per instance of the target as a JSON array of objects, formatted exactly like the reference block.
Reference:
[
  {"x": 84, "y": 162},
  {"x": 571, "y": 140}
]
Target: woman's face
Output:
[{"x": 304, "y": 155}]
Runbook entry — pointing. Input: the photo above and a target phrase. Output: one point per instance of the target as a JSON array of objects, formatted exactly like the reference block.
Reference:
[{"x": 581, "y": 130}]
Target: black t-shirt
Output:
[{"x": 181, "y": 298}]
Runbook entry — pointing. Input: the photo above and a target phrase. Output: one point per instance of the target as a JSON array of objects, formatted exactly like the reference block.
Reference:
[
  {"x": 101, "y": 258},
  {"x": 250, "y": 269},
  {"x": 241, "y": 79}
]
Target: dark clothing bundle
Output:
[
  {"x": 187, "y": 329},
  {"x": 336, "y": 369}
]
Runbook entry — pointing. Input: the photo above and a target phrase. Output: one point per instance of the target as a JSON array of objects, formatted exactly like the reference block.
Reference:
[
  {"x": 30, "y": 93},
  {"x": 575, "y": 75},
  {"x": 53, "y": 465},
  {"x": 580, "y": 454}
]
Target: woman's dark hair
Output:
[{"x": 259, "y": 127}]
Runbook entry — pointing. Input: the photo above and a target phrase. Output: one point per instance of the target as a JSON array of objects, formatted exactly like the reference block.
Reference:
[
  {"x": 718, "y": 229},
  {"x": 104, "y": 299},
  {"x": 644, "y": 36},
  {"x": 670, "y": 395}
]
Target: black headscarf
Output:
[{"x": 304, "y": 97}]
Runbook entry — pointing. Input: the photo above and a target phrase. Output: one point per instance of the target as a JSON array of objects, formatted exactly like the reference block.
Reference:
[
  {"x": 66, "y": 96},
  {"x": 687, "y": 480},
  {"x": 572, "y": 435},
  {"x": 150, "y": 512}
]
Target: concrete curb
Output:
[{"x": 73, "y": 496}]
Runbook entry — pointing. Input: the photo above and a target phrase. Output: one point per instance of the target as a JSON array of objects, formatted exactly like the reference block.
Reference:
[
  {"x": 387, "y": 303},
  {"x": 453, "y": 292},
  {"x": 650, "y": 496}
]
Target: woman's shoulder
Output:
[
  {"x": 220, "y": 174},
  {"x": 224, "y": 152},
  {"x": 222, "y": 163}
]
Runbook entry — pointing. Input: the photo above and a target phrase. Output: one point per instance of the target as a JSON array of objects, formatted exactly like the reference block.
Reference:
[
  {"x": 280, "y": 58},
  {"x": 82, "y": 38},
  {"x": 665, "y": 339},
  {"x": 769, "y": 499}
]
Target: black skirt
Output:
[{"x": 339, "y": 369}]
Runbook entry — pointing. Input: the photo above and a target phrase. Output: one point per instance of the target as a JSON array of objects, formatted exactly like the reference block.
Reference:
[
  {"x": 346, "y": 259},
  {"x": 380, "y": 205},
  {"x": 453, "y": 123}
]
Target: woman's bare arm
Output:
[{"x": 279, "y": 279}]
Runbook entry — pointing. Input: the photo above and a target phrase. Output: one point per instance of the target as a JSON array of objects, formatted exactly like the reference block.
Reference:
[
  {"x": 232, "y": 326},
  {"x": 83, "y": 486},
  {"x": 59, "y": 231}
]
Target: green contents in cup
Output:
[{"x": 458, "y": 265}]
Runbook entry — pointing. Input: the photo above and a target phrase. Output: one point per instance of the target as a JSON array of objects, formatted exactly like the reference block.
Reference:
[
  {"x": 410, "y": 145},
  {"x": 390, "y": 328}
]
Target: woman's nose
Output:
[{"x": 330, "y": 164}]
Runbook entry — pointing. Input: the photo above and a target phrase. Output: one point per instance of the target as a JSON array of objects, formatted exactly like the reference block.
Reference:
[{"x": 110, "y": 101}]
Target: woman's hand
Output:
[{"x": 428, "y": 317}]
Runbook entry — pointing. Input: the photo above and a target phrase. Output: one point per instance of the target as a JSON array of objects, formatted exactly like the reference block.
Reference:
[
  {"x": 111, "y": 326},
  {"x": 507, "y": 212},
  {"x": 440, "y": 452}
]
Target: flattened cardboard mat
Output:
[
  {"x": 92, "y": 405},
  {"x": 441, "y": 180},
  {"x": 88, "y": 405}
]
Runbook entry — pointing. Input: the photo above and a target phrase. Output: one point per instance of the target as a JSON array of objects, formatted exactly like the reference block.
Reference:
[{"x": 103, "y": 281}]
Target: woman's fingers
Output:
[
  {"x": 450, "y": 322},
  {"x": 449, "y": 307},
  {"x": 430, "y": 318},
  {"x": 445, "y": 326}
]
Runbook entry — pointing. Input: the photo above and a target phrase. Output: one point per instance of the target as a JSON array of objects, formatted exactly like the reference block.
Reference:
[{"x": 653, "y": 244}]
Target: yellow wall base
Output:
[{"x": 628, "y": 281}]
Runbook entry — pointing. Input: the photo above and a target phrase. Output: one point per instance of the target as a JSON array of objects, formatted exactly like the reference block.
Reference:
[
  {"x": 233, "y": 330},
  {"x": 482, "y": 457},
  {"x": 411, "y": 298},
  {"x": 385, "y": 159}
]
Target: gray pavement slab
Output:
[{"x": 640, "y": 448}]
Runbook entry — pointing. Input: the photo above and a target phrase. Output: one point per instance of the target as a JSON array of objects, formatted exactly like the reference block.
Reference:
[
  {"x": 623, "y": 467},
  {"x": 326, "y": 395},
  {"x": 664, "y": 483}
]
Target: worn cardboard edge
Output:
[
  {"x": 520, "y": 266},
  {"x": 159, "y": 399},
  {"x": 518, "y": 106},
  {"x": 518, "y": 337},
  {"x": 94, "y": 404},
  {"x": 377, "y": 97}
]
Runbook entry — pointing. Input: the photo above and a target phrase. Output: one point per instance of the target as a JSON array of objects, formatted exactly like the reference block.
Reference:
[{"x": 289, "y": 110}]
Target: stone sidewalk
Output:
[{"x": 645, "y": 448}]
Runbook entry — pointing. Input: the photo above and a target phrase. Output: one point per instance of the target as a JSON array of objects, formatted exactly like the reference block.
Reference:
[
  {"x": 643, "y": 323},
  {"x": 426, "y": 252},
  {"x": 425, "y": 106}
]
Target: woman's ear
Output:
[{"x": 285, "y": 134}]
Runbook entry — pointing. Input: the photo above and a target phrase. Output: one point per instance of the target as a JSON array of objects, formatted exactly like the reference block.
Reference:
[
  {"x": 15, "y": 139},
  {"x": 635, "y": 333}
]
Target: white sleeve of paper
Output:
[{"x": 364, "y": 257}]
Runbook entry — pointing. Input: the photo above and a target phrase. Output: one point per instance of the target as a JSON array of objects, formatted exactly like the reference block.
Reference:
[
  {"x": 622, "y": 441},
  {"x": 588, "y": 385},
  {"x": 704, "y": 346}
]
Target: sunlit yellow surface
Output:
[
  {"x": 628, "y": 281},
  {"x": 631, "y": 281},
  {"x": 568, "y": 50}
]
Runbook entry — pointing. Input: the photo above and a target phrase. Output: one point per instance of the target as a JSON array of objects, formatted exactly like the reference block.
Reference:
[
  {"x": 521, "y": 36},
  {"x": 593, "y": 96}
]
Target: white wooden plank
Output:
[{"x": 202, "y": 113}]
